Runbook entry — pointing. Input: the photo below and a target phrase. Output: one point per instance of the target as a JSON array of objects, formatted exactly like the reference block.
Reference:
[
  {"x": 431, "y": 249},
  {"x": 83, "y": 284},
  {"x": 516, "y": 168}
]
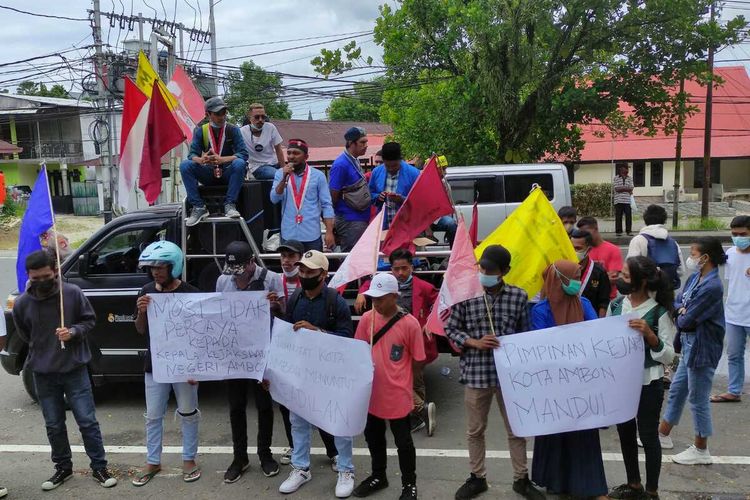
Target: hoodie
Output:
[{"x": 639, "y": 243}]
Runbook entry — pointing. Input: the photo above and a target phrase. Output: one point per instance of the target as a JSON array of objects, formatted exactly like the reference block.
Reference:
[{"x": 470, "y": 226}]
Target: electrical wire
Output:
[{"x": 49, "y": 16}]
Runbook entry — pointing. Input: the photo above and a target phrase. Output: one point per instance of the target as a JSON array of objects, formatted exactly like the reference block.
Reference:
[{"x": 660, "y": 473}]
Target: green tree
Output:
[
  {"x": 250, "y": 84},
  {"x": 361, "y": 104},
  {"x": 40, "y": 89},
  {"x": 510, "y": 81}
]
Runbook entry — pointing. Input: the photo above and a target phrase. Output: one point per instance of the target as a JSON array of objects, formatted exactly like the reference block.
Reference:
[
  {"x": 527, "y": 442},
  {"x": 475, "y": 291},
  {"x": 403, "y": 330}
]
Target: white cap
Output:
[{"x": 382, "y": 284}]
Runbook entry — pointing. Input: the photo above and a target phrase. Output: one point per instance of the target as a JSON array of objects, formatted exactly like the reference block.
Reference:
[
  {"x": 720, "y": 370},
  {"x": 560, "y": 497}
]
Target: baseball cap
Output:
[
  {"x": 495, "y": 258},
  {"x": 215, "y": 104},
  {"x": 382, "y": 284},
  {"x": 314, "y": 259},
  {"x": 354, "y": 134},
  {"x": 292, "y": 246}
]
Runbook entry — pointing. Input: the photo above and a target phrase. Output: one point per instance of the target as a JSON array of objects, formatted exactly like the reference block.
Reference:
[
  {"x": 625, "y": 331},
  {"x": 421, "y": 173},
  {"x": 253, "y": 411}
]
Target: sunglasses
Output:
[{"x": 260, "y": 117}]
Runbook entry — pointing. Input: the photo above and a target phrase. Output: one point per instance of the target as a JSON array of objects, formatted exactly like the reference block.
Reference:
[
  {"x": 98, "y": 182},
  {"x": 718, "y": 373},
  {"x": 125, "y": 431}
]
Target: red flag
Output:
[
  {"x": 133, "y": 132},
  {"x": 189, "y": 110},
  {"x": 162, "y": 134},
  {"x": 426, "y": 202},
  {"x": 474, "y": 227}
]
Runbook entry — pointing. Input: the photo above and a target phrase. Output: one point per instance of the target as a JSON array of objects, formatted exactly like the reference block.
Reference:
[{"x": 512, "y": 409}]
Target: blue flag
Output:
[{"x": 36, "y": 221}]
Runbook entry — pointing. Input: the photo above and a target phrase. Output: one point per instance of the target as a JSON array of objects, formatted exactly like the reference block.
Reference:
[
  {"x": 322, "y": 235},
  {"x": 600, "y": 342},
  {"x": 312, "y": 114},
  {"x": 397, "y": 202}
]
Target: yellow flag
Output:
[
  {"x": 145, "y": 77},
  {"x": 535, "y": 238}
]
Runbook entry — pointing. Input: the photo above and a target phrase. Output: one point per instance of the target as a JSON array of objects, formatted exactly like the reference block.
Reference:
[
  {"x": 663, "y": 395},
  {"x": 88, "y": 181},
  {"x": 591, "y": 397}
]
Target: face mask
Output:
[
  {"x": 569, "y": 227},
  {"x": 291, "y": 274},
  {"x": 623, "y": 286},
  {"x": 692, "y": 264},
  {"x": 489, "y": 281},
  {"x": 403, "y": 285},
  {"x": 309, "y": 283},
  {"x": 256, "y": 127},
  {"x": 43, "y": 287},
  {"x": 581, "y": 255},
  {"x": 741, "y": 242},
  {"x": 572, "y": 288},
  {"x": 214, "y": 125}
]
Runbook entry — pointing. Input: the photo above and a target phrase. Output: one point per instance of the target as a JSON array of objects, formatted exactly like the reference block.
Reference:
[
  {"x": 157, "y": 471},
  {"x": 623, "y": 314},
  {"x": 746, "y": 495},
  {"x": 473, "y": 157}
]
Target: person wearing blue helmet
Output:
[{"x": 163, "y": 260}]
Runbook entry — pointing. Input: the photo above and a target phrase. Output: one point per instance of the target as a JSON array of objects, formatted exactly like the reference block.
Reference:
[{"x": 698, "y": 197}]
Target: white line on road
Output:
[{"x": 423, "y": 452}]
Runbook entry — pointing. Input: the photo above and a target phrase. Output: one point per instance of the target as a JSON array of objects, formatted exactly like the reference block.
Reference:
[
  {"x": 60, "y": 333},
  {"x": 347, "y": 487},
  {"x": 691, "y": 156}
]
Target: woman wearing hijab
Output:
[{"x": 569, "y": 463}]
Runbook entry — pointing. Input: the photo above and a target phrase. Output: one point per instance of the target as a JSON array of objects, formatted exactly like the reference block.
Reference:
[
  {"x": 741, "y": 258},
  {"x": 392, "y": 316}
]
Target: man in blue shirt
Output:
[
  {"x": 305, "y": 197},
  {"x": 347, "y": 183},
  {"x": 218, "y": 156},
  {"x": 391, "y": 182}
]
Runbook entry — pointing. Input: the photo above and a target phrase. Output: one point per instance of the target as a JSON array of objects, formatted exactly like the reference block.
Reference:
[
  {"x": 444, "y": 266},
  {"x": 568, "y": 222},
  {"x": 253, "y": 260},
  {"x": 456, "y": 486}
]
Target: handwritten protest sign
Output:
[
  {"x": 323, "y": 378},
  {"x": 209, "y": 336},
  {"x": 574, "y": 377}
]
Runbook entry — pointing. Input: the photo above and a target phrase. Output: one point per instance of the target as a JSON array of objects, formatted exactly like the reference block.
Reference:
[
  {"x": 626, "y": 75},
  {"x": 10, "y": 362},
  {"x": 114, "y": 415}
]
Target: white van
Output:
[{"x": 499, "y": 189}]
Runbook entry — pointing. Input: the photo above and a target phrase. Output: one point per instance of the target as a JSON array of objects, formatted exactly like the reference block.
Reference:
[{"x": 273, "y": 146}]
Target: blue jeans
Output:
[
  {"x": 75, "y": 384},
  {"x": 157, "y": 397},
  {"x": 232, "y": 175},
  {"x": 693, "y": 385},
  {"x": 265, "y": 172},
  {"x": 302, "y": 435},
  {"x": 736, "y": 341},
  {"x": 448, "y": 224}
]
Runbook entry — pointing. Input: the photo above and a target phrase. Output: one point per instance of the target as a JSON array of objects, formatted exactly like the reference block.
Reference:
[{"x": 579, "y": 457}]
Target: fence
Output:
[{"x": 85, "y": 198}]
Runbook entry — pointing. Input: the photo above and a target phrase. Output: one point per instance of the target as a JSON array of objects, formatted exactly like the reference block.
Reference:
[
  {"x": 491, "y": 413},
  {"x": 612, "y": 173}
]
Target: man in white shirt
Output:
[
  {"x": 737, "y": 273},
  {"x": 263, "y": 141}
]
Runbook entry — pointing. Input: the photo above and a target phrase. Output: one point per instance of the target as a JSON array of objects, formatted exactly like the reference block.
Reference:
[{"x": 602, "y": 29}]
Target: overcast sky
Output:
[{"x": 238, "y": 22}]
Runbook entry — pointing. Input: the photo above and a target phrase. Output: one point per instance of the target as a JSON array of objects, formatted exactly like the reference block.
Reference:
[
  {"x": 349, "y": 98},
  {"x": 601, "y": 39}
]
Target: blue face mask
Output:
[
  {"x": 489, "y": 281},
  {"x": 741, "y": 242}
]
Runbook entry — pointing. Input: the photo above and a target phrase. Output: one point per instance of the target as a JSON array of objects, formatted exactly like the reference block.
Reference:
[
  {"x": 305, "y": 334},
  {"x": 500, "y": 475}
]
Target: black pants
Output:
[
  {"x": 328, "y": 442},
  {"x": 238, "y": 390},
  {"x": 646, "y": 423},
  {"x": 620, "y": 209},
  {"x": 407, "y": 455}
]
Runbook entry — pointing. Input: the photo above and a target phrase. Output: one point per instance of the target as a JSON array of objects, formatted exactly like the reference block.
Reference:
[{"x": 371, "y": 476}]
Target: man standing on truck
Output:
[
  {"x": 57, "y": 357},
  {"x": 391, "y": 182},
  {"x": 241, "y": 273},
  {"x": 304, "y": 196},
  {"x": 217, "y": 156}
]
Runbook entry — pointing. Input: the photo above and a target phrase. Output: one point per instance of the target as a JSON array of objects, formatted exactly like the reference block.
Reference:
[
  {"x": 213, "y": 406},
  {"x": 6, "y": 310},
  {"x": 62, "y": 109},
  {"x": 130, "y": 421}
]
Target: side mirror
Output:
[{"x": 83, "y": 264}]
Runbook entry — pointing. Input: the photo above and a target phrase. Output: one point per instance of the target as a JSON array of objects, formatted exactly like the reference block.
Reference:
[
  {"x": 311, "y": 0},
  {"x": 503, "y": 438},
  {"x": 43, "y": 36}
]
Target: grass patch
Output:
[
  {"x": 77, "y": 243},
  {"x": 698, "y": 224}
]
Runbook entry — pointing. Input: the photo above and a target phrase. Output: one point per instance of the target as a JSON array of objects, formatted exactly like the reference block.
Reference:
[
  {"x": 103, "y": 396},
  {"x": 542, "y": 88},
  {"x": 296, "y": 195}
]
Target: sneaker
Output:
[
  {"x": 235, "y": 470},
  {"x": 230, "y": 210},
  {"x": 286, "y": 456},
  {"x": 270, "y": 467},
  {"x": 297, "y": 477},
  {"x": 526, "y": 488},
  {"x": 431, "y": 418},
  {"x": 104, "y": 478},
  {"x": 666, "y": 442},
  {"x": 3, "y": 492},
  {"x": 625, "y": 491},
  {"x": 335, "y": 463},
  {"x": 693, "y": 456},
  {"x": 370, "y": 486},
  {"x": 408, "y": 492},
  {"x": 59, "y": 477},
  {"x": 196, "y": 215},
  {"x": 345, "y": 484},
  {"x": 417, "y": 422},
  {"x": 472, "y": 487}
]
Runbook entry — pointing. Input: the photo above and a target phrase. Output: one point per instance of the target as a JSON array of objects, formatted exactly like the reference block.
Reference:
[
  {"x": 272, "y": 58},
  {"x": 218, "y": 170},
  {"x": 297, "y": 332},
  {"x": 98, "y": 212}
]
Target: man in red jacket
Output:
[{"x": 417, "y": 298}]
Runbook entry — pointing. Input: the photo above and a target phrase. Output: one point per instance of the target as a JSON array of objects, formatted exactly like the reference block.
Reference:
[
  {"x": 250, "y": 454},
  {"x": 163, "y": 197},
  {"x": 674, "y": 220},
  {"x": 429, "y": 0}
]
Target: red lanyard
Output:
[
  {"x": 217, "y": 150},
  {"x": 299, "y": 195}
]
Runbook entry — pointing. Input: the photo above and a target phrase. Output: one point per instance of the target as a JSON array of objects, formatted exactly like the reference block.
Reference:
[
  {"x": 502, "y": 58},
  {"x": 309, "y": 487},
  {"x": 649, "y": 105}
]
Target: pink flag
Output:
[
  {"x": 363, "y": 259},
  {"x": 460, "y": 281},
  {"x": 189, "y": 110},
  {"x": 133, "y": 134}
]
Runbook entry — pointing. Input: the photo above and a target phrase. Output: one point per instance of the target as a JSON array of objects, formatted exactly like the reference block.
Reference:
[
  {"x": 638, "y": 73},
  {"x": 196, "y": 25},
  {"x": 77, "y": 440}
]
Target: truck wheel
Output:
[{"x": 28, "y": 384}]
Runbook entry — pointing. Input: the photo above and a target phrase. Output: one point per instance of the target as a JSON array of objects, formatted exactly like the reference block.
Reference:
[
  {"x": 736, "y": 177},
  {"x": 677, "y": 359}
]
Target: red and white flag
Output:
[
  {"x": 363, "y": 259},
  {"x": 189, "y": 110},
  {"x": 460, "y": 282},
  {"x": 133, "y": 133}
]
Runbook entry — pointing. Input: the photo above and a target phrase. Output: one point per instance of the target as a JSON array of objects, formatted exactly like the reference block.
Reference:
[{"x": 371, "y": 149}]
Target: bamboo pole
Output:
[{"x": 57, "y": 254}]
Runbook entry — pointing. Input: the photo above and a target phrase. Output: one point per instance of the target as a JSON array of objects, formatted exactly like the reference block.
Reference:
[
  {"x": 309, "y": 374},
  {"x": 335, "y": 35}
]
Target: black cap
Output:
[
  {"x": 391, "y": 151},
  {"x": 238, "y": 252},
  {"x": 354, "y": 134},
  {"x": 495, "y": 258},
  {"x": 292, "y": 246}
]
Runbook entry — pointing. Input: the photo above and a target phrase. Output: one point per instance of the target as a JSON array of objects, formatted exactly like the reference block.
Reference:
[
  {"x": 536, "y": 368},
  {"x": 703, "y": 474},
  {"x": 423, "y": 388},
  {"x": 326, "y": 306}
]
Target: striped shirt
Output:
[{"x": 624, "y": 196}]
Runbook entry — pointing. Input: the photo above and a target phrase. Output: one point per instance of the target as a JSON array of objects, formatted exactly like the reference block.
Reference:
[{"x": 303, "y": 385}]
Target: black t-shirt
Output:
[
  {"x": 150, "y": 288},
  {"x": 598, "y": 288}
]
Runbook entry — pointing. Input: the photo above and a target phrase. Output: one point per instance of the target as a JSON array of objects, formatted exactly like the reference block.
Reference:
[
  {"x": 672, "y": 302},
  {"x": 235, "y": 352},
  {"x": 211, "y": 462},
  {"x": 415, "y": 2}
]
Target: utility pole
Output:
[
  {"x": 140, "y": 32},
  {"x": 102, "y": 103},
  {"x": 212, "y": 29},
  {"x": 707, "y": 132},
  {"x": 678, "y": 153}
]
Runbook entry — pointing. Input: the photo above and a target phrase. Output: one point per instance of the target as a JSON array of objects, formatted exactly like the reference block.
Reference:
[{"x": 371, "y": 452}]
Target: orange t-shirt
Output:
[{"x": 392, "y": 356}]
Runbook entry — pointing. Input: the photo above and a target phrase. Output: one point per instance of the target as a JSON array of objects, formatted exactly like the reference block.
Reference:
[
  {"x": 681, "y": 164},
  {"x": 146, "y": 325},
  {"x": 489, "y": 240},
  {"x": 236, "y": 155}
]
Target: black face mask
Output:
[
  {"x": 624, "y": 287},
  {"x": 309, "y": 283},
  {"x": 43, "y": 287}
]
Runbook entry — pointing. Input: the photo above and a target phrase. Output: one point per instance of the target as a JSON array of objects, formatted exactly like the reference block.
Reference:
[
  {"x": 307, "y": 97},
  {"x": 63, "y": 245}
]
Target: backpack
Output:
[
  {"x": 330, "y": 297},
  {"x": 228, "y": 141},
  {"x": 666, "y": 256},
  {"x": 651, "y": 317}
]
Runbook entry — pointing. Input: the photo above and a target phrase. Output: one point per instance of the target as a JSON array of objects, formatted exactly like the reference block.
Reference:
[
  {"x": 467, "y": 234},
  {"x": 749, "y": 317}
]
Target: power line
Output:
[
  {"x": 274, "y": 42},
  {"x": 49, "y": 16}
]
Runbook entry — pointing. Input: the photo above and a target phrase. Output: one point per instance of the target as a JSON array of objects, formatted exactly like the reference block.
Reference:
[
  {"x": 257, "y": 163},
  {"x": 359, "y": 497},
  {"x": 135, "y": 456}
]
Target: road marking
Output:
[{"x": 421, "y": 452}]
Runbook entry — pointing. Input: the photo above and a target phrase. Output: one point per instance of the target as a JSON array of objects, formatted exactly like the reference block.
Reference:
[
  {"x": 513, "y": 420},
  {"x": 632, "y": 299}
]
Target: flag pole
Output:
[
  {"x": 57, "y": 253},
  {"x": 375, "y": 270}
]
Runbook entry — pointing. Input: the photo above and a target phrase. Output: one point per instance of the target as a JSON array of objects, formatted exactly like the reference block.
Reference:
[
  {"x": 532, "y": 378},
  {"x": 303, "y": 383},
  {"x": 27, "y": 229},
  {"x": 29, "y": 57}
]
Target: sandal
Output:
[
  {"x": 192, "y": 475},
  {"x": 725, "y": 398},
  {"x": 144, "y": 477}
]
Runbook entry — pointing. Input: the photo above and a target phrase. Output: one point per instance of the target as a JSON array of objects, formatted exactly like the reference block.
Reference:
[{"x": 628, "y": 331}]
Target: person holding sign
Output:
[
  {"x": 474, "y": 326},
  {"x": 569, "y": 463},
  {"x": 316, "y": 307},
  {"x": 396, "y": 340},
  {"x": 700, "y": 319},
  {"x": 163, "y": 260},
  {"x": 645, "y": 291},
  {"x": 303, "y": 192}
]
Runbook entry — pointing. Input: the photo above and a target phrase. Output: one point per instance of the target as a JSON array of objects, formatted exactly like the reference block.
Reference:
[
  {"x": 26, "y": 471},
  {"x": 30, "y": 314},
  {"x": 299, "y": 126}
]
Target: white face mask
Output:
[
  {"x": 693, "y": 265},
  {"x": 293, "y": 273}
]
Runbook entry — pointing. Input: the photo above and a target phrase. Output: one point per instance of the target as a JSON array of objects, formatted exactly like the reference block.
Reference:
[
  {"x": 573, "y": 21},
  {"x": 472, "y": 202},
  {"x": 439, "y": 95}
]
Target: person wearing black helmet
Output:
[
  {"x": 163, "y": 260},
  {"x": 241, "y": 273}
]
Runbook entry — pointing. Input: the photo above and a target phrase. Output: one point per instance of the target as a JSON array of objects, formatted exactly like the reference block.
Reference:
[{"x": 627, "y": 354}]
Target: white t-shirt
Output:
[
  {"x": 261, "y": 148},
  {"x": 737, "y": 273}
]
